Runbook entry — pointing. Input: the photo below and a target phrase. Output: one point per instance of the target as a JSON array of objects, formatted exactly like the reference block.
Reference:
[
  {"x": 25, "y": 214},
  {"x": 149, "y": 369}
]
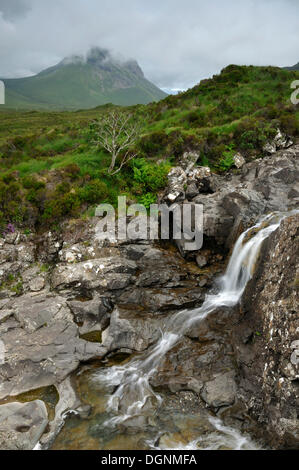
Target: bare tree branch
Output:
[{"x": 117, "y": 132}]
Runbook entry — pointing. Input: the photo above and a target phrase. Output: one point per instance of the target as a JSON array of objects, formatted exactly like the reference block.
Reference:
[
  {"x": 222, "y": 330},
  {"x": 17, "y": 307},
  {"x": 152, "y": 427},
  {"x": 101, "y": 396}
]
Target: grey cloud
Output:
[
  {"x": 176, "y": 43},
  {"x": 12, "y": 9}
]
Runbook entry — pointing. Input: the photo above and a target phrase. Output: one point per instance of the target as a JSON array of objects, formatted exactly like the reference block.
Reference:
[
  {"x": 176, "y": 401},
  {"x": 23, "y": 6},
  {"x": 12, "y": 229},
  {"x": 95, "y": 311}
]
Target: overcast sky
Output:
[{"x": 176, "y": 42}]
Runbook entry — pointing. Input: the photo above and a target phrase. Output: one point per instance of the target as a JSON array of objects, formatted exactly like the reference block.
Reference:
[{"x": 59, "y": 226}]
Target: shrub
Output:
[
  {"x": 150, "y": 176},
  {"x": 228, "y": 158},
  {"x": 148, "y": 199},
  {"x": 94, "y": 192}
]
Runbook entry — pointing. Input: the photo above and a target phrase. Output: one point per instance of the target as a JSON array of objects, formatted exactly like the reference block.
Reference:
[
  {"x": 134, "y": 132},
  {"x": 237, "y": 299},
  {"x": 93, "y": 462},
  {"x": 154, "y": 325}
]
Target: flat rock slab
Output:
[
  {"x": 42, "y": 358},
  {"x": 22, "y": 425}
]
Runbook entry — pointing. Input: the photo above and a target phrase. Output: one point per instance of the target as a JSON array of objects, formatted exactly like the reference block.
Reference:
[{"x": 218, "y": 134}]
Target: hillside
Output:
[
  {"x": 294, "y": 67},
  {"x": 50, "y": 169},
  {"x": 78, "y": 83}
]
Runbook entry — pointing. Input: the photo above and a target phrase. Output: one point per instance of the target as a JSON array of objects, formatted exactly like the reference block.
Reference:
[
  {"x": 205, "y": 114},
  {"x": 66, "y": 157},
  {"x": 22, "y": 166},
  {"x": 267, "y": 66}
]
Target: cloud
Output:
[
  {"x": 12, "y": 9},
  {"x": 176, "y": 43}
]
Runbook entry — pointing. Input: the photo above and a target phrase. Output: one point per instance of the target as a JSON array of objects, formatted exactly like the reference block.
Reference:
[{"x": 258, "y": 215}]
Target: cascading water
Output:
[{"x": 132, "y": 380}]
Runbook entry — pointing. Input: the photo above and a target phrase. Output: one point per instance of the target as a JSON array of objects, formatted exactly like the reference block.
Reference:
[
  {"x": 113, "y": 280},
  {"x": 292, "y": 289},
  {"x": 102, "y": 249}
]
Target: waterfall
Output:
[{"x": 132, "y": 380}]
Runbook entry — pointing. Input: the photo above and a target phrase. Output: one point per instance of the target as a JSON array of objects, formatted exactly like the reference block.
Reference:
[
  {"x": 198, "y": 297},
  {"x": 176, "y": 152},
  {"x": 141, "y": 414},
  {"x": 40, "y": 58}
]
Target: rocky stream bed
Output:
[{"x": 73, "y": 308}]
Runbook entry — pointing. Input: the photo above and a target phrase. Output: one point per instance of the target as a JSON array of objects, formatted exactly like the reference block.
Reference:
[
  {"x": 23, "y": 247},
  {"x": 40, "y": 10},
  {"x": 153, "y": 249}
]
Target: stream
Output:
[{"x": 127, "y": 414}]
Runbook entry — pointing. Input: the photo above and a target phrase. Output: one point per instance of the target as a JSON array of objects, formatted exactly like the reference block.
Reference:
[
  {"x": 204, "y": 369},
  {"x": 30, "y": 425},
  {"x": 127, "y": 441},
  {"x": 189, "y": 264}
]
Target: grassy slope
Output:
[
  {"x": 49, "y": 169},
  {"x": 77, "y": 86}
]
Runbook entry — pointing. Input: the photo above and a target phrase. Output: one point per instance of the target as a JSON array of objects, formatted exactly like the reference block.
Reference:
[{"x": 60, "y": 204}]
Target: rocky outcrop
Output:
[
  {"x": 266, "y": 338},
  {"x": 235, "y": 201},
  {"x": 280, "y": 141}
]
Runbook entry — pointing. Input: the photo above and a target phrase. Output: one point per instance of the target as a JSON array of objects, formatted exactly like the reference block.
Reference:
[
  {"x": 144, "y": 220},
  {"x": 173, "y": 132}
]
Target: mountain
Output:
[
  {"x": 81, "y": 83},
  {"x": 295, "y": 67}
]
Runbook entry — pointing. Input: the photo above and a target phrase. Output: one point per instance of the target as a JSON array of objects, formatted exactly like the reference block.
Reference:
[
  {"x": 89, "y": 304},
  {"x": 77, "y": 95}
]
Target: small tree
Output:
[{"x": 117, "y": 132}]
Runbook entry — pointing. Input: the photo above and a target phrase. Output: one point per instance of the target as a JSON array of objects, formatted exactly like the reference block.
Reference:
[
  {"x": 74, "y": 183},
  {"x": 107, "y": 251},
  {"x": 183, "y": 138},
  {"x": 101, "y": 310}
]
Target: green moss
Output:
[{"x": 92, "y": 337}]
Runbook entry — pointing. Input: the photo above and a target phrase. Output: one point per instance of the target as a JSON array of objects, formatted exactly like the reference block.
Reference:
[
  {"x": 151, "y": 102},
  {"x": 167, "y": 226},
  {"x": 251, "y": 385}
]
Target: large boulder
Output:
[{"x": 22, "y": 425}]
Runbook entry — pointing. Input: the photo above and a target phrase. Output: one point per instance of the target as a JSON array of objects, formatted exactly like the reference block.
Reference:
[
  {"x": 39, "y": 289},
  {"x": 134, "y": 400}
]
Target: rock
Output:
[
  {"x": 235, "y": 202},
  {"x": 295, "y": 353},
  {"x": 37, "y": 284},
  {"x": 68, "y": 403},
  {"x": 35, "y": 311},
  {"x": 201, "y": 261},
  {"x": 280, "y": 141},
  {"x": 270, "y": 148},
  {"x": 239, "y": 160},
  {"x": 268, "y": 361},
  {"x": 39, "y": 356},
  {"x": 191, "y": 191},
  {"x": 188, "y": 160},
  {"x": 200, "y": 173},
  {"x": 130, "y": 332},
  {"x": 92, "y": 315},
  {"x": 135, "y": 252},
  {"x": 221, "y": 391},
  {"x": 104, "y": 272},
  {"x": 162, "y": 300},
  {"x": 177, "y": 180},
  {"x": 22, "y": 425}
]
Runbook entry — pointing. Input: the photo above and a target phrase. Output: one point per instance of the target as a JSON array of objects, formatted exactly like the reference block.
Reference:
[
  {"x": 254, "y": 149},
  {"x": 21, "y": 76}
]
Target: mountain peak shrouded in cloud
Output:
[
  {"x": 176, "y": 43},
  {"x": 100, "y": 58},
  {"x": 294, "y": 67},
  {"x": 83, "y": 81}
]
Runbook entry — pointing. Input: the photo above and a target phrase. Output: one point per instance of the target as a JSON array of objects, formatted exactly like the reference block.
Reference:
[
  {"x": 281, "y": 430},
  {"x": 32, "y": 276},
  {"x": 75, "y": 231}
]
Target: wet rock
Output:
[
  {"x": 91, "y": 315},
  {"x": 154, "y": 300},
  {"x": 22, "y": 425},
  {"x": 268, "y": 359},
  {"x": 68, "y": 403},
  {"x": 221, "y": 391},
  {"x": 129, "y": 331}
]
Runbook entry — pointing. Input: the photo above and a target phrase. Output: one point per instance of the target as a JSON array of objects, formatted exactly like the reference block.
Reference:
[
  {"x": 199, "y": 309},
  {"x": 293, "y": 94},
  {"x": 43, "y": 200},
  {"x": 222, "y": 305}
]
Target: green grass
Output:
[{"x": 49, "y": 168}]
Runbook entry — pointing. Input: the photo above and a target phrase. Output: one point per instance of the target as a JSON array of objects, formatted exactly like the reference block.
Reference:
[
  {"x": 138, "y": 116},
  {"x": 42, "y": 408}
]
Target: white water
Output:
[
  {"x": 132, "y": 379},
  {"x": 222, "y": 437}
]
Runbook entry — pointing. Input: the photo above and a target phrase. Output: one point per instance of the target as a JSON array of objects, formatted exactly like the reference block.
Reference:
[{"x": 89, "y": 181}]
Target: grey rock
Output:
[
  {"x": 92, "y": 315},
  {"x": 239, "y": 160},
  {"x": 192, "y": 191},
  {"x": 37, "y": 284},
  {"x": 201, "y": 261},
  {"x": 43, "y": 357},
  {"x": 221, "y": 391},
  {"x": 94, "y": 273},
  {"x": 131, "y": 332},
  {"x": 22, "y": 425}
]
